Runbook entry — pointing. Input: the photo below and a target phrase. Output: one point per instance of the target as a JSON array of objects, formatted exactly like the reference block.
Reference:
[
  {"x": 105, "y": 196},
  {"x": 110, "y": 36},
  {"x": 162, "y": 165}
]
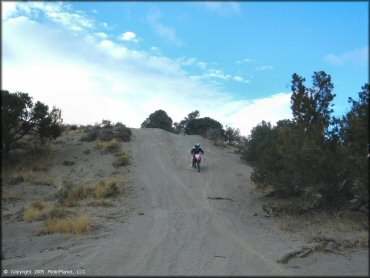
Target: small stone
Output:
[{"x": 330, "y": 247}]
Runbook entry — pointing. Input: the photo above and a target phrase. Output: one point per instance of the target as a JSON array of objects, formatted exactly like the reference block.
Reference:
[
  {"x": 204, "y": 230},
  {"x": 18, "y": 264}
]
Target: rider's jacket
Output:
[{"x": 196, "y": 151}]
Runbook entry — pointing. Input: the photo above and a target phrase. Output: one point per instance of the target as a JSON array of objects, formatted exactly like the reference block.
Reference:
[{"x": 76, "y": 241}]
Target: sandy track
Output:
[
  {"x": 183, "y": 222},
  {"x": 181, "y": 231}
]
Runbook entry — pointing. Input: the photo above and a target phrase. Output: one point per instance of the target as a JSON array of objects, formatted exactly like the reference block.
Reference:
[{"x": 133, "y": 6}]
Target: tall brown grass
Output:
[
  {"x": 111, "y": 146},
  {"x": 121, "y": 160},
  {"x": 78, "y": 225},
  {"x": 38, "y": 211}
]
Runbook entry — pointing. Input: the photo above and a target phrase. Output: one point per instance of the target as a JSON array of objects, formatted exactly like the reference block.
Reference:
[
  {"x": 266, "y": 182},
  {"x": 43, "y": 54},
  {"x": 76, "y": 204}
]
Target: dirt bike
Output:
[{"x": 196, "y": 161}]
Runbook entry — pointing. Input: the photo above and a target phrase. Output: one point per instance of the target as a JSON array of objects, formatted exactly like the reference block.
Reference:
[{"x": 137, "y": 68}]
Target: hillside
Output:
[{"x": 167, "y": 219}]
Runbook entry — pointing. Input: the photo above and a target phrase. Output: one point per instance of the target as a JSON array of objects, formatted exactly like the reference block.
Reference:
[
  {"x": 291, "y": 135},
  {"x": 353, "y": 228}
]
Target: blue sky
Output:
[{"x": 233, "y": 61}]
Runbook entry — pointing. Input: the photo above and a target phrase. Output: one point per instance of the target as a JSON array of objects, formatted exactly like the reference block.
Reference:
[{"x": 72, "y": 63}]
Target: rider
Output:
[{"x": 196, "y": 150}]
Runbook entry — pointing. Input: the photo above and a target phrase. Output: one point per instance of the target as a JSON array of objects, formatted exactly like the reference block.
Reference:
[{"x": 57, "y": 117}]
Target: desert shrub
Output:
[
  {"x": 79, "y": 225},
  {"x": 122, "y": 132},
  {"x": 40, "y": 211},
  {"x": 159, "y": 119},
  {"x": 21, "y": 117},
  {"x": 106, "y": 189},
  {"x": 32, "y": 176},
  {"x": 106, "y": 124},
  {"x": 200, "y": 126},
  {"x": 69, "y": 194},
  {"x": 313, "y": 153},
  {"x": 91, "y": 135},
  {"x": 232, "y": 136},
  {"x": 108, "y": 146},
  {"x": 121, "y": 160},
  {"x": 106, "y": 132},
  {"x": 181, "y": 127}
]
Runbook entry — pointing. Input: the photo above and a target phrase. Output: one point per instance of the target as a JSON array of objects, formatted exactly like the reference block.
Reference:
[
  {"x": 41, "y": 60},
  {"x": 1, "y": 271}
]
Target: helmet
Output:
[{"x": 197, "y": 145}]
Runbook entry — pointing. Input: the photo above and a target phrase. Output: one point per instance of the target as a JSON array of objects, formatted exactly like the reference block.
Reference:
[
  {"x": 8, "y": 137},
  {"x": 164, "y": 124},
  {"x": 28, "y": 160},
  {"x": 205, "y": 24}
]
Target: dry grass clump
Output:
[
  {"x": 364, "y": 239},
  {"x": 40, "y": 211},
  {"x": 31, "y": 176},
  {"x": 106, "y": 189},
  {"x": 70, "y": 194},
  {"x": 121, "y": 160},
  {"x": 111, "y": 146},
  {"x": 78, "y": 225}
]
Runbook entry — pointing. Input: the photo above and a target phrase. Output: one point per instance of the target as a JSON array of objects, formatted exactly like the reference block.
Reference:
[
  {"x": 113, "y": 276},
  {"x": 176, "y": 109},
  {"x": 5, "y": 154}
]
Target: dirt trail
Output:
[{"x": 184, "y": 222}]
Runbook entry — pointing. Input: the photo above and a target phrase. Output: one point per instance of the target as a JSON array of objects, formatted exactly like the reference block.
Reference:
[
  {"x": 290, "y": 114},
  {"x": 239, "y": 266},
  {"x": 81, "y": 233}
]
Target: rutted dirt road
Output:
[{"x": 188, "y": 223}]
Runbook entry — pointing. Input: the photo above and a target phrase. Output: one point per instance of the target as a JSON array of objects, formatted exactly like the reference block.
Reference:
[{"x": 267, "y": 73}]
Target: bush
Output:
[
  {"x": 232, "y": 136},
  {"x": 159, "y": 119},
  {"x": 40, "y": 211},
  {"x": 122, "y": 132},
  {"x": 112, "y": 146},
  {"x": 200, "y": 126},
  {"x": 69, "y": 194},
  {"x": 107, "y": 132},
  {"x": 20, "y": 117},
  {"x": 79, "y": 225},
  {"x": 310, "y": 153},
  {"x": 106, "y": 189},
  {"x": 122, "y": 160},
  {"x": 92, "y": 135}
]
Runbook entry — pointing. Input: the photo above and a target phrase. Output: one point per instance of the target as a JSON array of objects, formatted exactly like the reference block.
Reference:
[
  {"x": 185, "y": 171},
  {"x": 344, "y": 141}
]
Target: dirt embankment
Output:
[{"x": 170, "y": 221}]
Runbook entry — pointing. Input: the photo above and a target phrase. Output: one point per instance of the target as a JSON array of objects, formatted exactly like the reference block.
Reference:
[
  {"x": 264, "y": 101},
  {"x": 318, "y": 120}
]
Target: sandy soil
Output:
[{"x": 171, "y": 221}]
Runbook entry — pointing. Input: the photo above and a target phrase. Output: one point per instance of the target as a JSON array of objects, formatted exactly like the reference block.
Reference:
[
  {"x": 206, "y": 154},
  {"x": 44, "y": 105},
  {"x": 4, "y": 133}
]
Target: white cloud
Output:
[
  {"x": 57, "y": 12},
  {"x": 165, "y": 32},
  {"x": 215, "y": 73},
  {"x": 240, "y": 79},
  {"x": 111, "y": 81},
  {"x": 270, "y": 109},
  {"x": 358, "y": 57},
  {"x": 187, "y": 61},
  {"x": 101, "y": 35},
  {"x": 8, "y": 9},
  {"x": 262, "y": 68},
  {"x": 244, "y": 61},
  {"x": 129, "y": 36},
  {"x": 202, "y": 65},
  {"x": 222, "y": 8}
]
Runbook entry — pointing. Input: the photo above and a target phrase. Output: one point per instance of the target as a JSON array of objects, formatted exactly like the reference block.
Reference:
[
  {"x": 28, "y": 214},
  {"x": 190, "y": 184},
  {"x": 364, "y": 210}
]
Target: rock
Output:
[
  {"x": 255, "y": 214},
  {"x": 304, "y": 253},
  {"x": 331, "y": 247},
  {"x": 317, "y": 201}
]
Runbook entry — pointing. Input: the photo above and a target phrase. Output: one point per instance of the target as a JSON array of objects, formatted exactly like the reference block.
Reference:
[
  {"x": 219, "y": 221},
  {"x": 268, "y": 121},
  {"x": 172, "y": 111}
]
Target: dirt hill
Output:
[{"x": 166, "y": 219}]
